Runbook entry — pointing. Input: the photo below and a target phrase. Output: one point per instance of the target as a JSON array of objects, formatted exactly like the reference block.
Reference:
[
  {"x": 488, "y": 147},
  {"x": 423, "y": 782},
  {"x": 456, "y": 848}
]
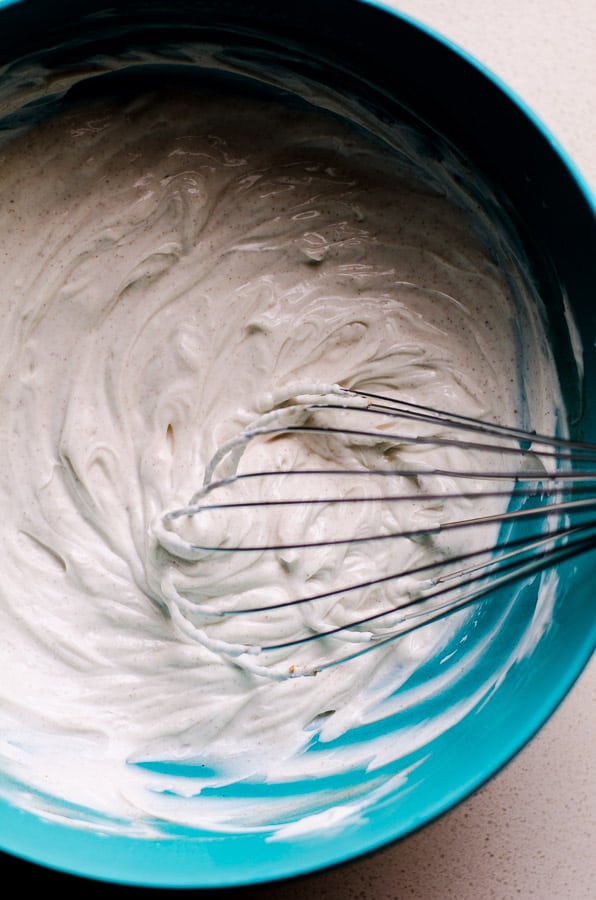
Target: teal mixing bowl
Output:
[{"x": 400, "y": 71}]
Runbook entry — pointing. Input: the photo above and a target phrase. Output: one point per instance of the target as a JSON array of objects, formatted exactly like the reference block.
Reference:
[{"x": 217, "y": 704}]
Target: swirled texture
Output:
[{"x": 169, "y": 264}]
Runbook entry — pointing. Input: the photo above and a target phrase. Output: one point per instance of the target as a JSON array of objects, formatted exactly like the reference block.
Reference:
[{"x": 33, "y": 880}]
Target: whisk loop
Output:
[{"x": 542, "y": 485}]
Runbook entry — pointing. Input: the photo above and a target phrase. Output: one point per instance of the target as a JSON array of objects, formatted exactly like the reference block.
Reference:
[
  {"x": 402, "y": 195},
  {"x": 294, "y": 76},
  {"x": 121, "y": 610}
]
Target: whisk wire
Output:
[
  {"x": 373, "y": 642},
  {"x": 550, "y": 494}
]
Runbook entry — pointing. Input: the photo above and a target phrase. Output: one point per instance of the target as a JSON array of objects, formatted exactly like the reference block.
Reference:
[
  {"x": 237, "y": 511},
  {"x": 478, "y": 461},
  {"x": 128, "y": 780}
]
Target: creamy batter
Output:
[{"x": 172, "y": 268}]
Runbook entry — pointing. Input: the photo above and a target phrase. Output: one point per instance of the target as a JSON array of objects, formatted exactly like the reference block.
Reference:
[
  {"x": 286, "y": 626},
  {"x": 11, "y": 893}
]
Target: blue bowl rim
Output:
[{"x": 26, "y": 831}]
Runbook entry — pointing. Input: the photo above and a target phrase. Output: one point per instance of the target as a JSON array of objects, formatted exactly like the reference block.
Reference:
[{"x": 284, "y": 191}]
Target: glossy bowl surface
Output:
[{"x": 401, "y": 69}]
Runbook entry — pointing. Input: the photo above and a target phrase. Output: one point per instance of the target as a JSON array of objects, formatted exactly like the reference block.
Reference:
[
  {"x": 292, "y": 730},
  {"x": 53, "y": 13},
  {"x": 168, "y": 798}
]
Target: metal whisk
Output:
[{"x": 541, "y": 497}]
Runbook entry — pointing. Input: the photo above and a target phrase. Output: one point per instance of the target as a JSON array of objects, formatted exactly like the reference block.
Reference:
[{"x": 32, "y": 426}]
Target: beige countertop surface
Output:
[{"x": 531, "y": 831}]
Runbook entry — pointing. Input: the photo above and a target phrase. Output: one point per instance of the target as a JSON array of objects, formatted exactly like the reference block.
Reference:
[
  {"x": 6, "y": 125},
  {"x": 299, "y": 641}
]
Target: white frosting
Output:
[{"x": 169, "y": 267}]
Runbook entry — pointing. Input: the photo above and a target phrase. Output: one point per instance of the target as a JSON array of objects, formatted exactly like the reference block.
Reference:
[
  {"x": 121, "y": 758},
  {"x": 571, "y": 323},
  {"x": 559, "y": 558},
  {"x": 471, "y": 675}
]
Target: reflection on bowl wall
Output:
[{"x": 395, "y": 72}]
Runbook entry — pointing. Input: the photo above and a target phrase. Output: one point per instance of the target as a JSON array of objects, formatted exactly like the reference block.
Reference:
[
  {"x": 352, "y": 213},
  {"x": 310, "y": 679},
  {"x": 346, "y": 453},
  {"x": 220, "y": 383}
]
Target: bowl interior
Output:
[{"x": 352, "y": 52}]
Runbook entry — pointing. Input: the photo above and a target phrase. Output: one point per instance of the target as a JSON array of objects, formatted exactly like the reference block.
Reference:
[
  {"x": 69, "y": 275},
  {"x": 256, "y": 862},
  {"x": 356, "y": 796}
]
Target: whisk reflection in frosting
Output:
[{"x": 526, "y": 503}]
